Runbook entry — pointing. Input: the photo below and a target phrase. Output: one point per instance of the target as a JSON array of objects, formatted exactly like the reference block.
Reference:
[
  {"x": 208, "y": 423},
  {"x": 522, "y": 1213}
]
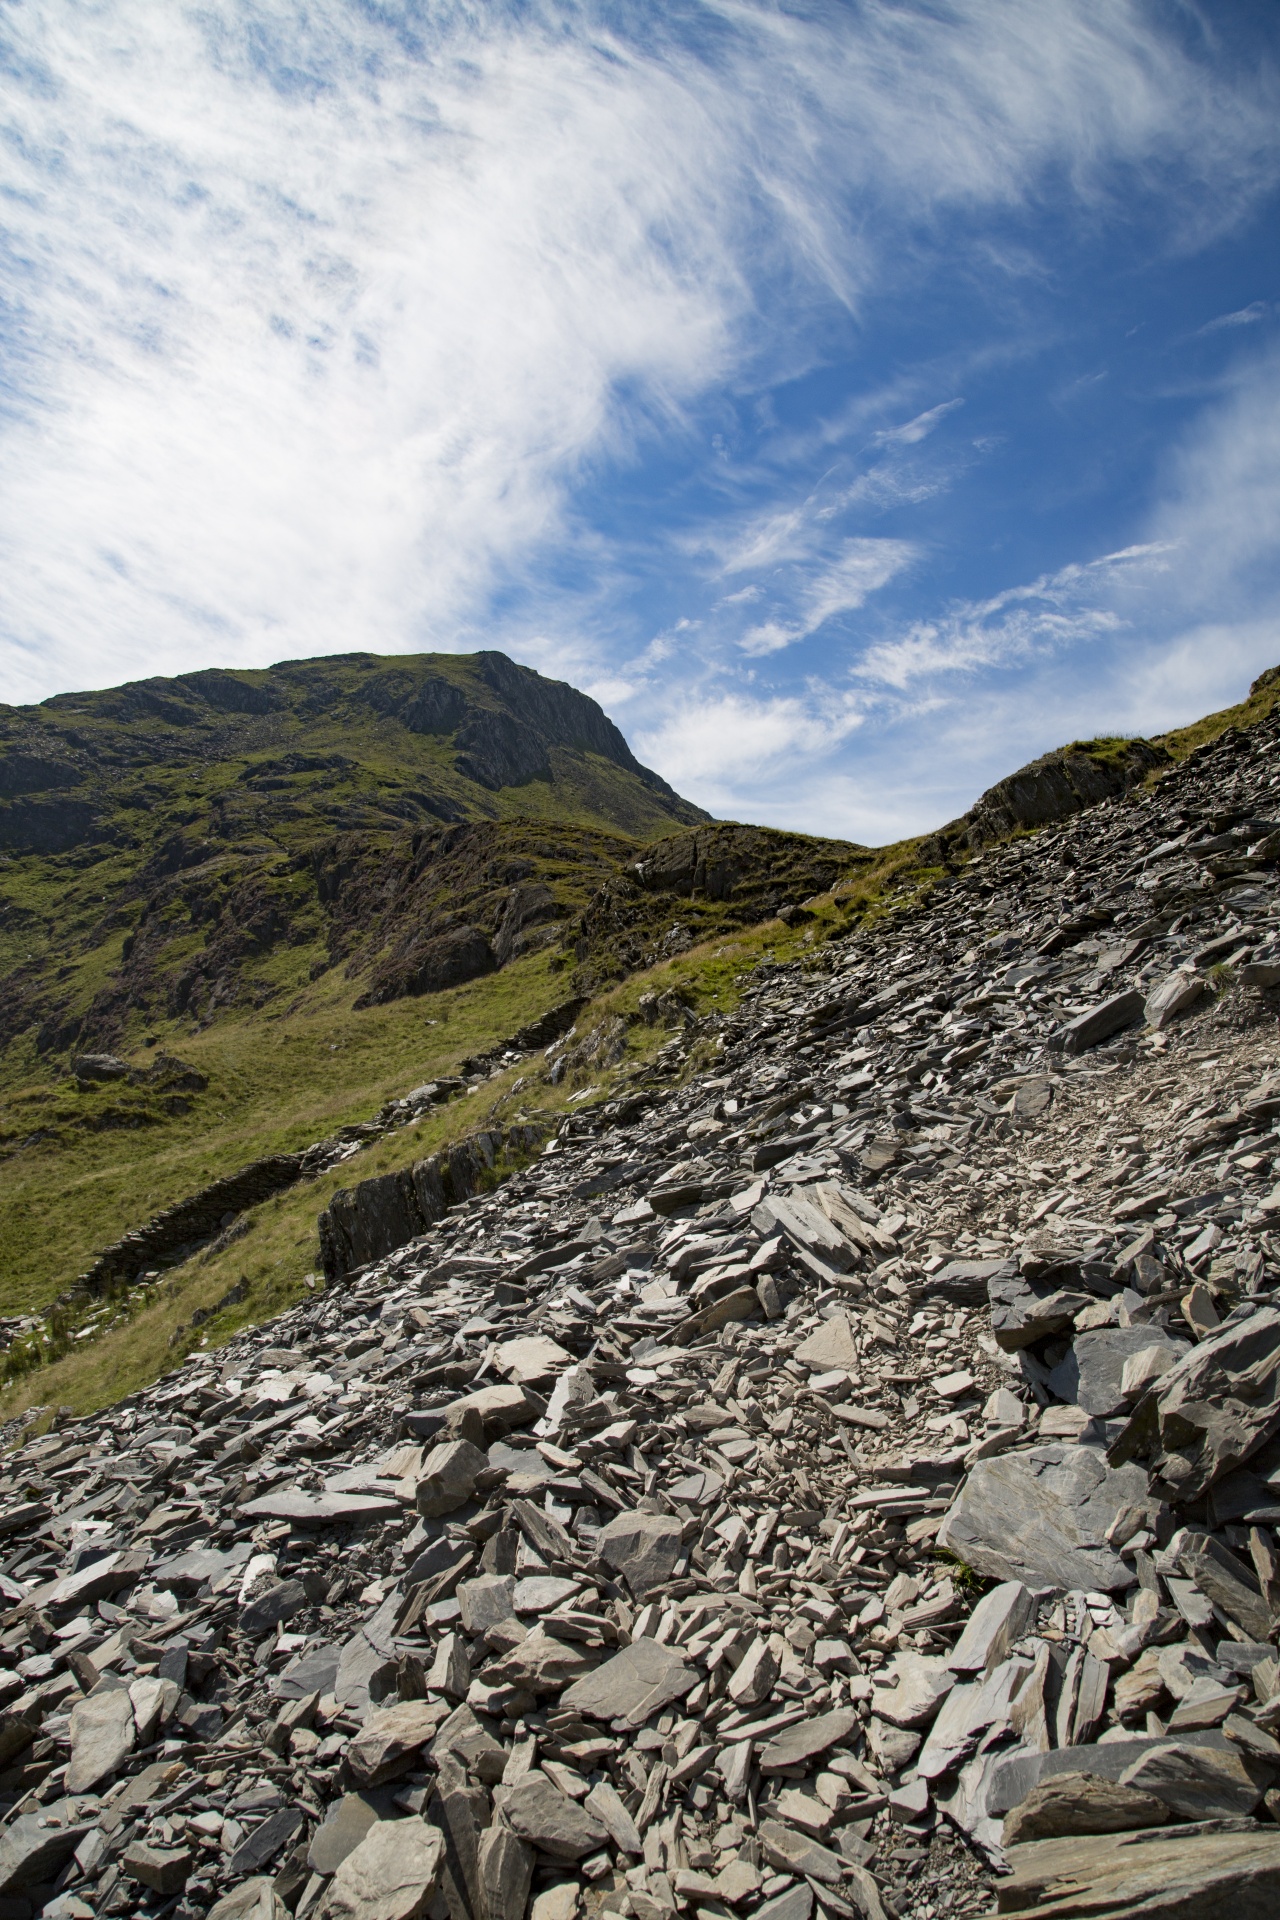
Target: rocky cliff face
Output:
[{"x": 842, "y": 1481}]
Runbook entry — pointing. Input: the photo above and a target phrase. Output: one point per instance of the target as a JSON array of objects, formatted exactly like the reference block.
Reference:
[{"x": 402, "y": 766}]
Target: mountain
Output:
[{"x": 262, "y": 893}]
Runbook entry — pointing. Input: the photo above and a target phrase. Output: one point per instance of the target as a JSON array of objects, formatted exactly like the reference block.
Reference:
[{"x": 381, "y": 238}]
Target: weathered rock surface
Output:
[{"x": 1040, "y": 1517}]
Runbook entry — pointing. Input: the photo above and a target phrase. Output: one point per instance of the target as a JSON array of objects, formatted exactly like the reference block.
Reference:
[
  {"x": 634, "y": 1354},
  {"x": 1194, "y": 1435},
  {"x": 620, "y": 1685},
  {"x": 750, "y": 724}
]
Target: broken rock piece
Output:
[{"x": 1039, "y": 1517}]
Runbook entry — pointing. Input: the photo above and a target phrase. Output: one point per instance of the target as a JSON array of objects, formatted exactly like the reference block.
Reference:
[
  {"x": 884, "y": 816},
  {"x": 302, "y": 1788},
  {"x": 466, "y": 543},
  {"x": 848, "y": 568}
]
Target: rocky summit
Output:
[{"x": 837, "y": 1476}]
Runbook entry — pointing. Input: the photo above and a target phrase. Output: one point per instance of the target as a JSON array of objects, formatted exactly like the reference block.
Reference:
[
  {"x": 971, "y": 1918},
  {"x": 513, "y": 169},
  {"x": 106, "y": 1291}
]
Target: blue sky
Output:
[{"x": 857, "y": 398}]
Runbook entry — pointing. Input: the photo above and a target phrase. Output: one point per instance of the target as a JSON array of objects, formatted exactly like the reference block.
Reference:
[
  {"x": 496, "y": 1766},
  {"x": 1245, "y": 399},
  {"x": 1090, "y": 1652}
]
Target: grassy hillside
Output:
[{"x": 281, "y": 898}]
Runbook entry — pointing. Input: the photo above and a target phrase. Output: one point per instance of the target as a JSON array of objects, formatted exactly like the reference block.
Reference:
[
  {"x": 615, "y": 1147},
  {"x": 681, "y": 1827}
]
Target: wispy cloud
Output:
[
  {"x": 1045, "y": 616},
  {"x": 1243, "y": 317},
  {"x": 910, "y": 434}
]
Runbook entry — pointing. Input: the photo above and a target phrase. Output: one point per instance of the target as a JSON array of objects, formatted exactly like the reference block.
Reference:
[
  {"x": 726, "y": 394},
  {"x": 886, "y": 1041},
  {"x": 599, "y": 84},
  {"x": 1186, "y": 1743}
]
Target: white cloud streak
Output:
[{"x": 322, "y": 315}]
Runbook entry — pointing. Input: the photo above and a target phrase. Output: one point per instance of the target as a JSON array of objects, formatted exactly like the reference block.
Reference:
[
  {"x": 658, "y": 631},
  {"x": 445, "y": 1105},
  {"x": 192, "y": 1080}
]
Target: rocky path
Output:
[{"x": 843, "y": 1484}]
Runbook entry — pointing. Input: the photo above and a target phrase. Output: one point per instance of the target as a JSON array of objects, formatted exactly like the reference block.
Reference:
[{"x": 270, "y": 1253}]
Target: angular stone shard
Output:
[
  {"x": 1039, "y": 1517},
  {"x": 1099, "y": 1023},
  {"x": 1213, "y": 1409},
  {"x": 1000, "y": 1618},
  {"x": 1082, "y": 1803},
  {"x": 103, "y": 1730},
  {"x": 1158, "y": 1874},
  {"x": 391, "y": 1875},
  {"x": 797, "y": 1745},
  {"x": 1092, "y": 1373},
  {"x": 1199, "y": 1783},
  {"x": 1021, "y": 1314},
  {"x": 449, "y": 1475},
  {"x": 830, "y": 1346},
  {"x": 643, "y": 1547},
  {"x": 538, "y": 1812},
  {"x": 634, "y": 1684},
  {"x": 389, "y": 1739}
]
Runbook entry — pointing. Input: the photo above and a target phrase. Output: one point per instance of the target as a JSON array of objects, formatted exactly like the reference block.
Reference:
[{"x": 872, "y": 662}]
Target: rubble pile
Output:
[{"x": 841, "y": 1483}]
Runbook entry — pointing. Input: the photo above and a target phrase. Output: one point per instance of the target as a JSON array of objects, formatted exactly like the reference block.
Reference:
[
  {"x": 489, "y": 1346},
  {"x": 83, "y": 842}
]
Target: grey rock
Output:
[
  {"x": 1199, "y": 1783},
  {"x": 504, "y": 1870},
  {"x": 389, "y": 1740},
  {"x": 634, "y": 1684},
  {"x": 1013, "y": 1775},
  {"x": 391, "y": 1875},
  {"x": 796, "y": 1746},
  {"x": 1161, "y": 1874},
  {"x": 792, "y": 1852},
  {"x": 604, "y": 1801},
  {"x": 278, "y": 1603},
  {"x": 1081, "y": 1803},
  {"x": 1040, "y": 1516},
  {"x": 320, "y": 1509},
  {"x": 103, "y": 1732},
  {"x": 538, "y": 1812},
  {"x": 314, "y": 1670},
  {"x": 796, "y": 1903},
  {"x": 486, "y": 1601},
  {"x": 642, "y": 1547},
  {"x": 1225, "y": 1581},
  {"x": 1213, "y": 1409},
  {"x": 1021, "y": 1314},
  {"x": 345, "y": 1826},
  {"x": 449, "y": 1475},
  {"x": 1175, "y": 993},
  {"x": 253, "y": 1899},
  {"x": 32, "y": 1849},
  {"x": 1000, "y": 1618},
  {"x": 829, "y": 1346},
  {"x": 1092, "y": 1374},
  {"x": 1099, "y": 1023},
  {"x": 268, "y": 1838}
]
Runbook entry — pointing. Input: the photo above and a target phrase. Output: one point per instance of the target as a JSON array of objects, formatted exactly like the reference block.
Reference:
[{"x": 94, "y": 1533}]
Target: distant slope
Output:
[
  {"x": 166, "y": 844},
  {"x": 281, "y": 897}
]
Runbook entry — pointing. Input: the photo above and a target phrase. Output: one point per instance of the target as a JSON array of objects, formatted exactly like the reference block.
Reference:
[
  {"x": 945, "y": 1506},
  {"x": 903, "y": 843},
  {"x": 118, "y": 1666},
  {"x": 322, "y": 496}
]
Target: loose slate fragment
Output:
[
  {"x": 831, "y": 1345},
  {"x": 103, "y": 1731},
  {"x": 388, "y": 1741},
  {"x": 797, "y": 1745},
  {"x": 1154, "y": 1873},
  {"x": 1072, "y": 1803},
  {"x": 643, "y": 1547},
  {"x": 538, "y": 1812},
  {"x": 320, "y": 1509},
  {"x": 1092, "y": 1374},
  {"x": 1199, "y": 1783},
  {"x": 1040, "y": 1517},
  {"x": 391, "y": 1875},
  {"x": 634, "y": 1684},
  {"x": 531, "y": 1359},
  {"x": 1213, "y": 1409}
]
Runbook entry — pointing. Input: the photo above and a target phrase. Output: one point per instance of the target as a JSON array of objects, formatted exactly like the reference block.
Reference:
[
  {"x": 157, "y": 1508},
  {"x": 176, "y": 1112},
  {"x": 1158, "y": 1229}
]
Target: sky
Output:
[{"x": 857, "y": 397}]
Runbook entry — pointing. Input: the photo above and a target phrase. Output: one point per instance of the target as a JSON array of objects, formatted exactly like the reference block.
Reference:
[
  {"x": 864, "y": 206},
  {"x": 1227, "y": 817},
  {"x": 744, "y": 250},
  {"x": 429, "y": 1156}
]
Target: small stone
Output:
[
  {"x": 391, "y": 1875},
  {"x": 389, "y": 1739},
  {"x": 1072, "y": 1803},
  {"x": 549, "y": 1820},
  {"x": 103, "y": 1730},
  {"x": 449, "y": 1475},
  {"x": 162, "y": 1869},
  {"x": 643, "y": 1547},
  {"x": 1198, "y": 1783}
]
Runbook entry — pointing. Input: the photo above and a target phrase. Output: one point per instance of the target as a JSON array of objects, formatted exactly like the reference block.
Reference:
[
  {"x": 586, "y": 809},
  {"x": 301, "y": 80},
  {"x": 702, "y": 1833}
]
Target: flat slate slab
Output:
[
  {"x": 1040, "y": 1517},
  {"x": 633, "y": 1685}
]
